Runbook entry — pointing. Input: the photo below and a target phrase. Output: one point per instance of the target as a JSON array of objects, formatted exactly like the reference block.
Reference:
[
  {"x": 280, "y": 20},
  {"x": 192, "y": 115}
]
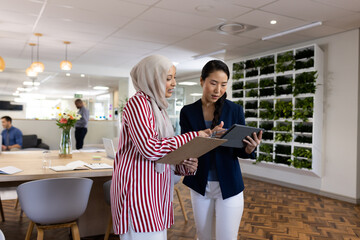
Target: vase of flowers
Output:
[{"x": 66, "y": 120}]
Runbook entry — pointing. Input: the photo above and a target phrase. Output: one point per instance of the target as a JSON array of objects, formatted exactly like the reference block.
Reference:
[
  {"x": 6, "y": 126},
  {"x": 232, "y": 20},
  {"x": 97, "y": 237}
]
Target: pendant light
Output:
[
  {"x": 66, "y": 65},
  {"x": 2, "y": 64},
  {"x": 30, "y": 71},
  {"x": 38, "y": 66}
]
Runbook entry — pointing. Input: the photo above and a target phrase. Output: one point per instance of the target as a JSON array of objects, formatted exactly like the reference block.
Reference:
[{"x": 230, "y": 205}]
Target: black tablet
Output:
[{"x": 237, "y": 133}]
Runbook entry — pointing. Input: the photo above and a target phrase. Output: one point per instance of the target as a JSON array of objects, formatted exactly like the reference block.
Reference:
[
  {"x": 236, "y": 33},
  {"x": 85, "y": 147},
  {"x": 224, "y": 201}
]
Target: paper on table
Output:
[
  {"x": 193, "y": 149},
  {"x": 76, "y": 165},
  {"x": 99, "y": 166},
  {"x": 9, "y": 170}
]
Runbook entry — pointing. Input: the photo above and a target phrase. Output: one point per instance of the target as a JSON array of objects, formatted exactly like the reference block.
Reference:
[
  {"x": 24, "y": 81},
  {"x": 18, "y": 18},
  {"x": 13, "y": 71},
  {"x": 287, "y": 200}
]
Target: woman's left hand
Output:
[
  {"x": 191, "y": 164},
  {"x": 252, "y": 143}
]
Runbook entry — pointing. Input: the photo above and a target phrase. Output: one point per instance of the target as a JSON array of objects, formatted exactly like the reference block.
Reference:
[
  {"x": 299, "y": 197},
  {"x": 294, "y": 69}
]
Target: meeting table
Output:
[{"x": 95, "y": 219}]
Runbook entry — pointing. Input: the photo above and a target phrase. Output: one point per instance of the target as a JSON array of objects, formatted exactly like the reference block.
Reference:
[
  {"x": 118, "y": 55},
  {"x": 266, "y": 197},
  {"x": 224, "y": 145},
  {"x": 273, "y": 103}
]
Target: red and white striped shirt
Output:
[{"x": 137, "y": 190}]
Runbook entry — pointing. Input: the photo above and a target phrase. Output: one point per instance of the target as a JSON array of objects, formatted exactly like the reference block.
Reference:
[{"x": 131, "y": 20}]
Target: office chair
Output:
[{"x": 54, "y": 203}]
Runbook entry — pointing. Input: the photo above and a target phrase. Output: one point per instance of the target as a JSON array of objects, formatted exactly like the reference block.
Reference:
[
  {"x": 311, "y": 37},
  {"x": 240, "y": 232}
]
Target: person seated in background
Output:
[{"x": 11, "y": 136}]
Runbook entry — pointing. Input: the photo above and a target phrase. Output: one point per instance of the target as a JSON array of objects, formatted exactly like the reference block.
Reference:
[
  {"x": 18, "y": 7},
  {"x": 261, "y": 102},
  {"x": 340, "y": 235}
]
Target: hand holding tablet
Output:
[{"x": 237, "y": 133}]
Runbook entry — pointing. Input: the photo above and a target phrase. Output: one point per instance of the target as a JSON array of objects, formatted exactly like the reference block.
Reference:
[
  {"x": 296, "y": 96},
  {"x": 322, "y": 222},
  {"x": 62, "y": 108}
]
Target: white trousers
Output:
[
  {"x": 132, "y": 235},
  {"x": 227, "y": 213}
]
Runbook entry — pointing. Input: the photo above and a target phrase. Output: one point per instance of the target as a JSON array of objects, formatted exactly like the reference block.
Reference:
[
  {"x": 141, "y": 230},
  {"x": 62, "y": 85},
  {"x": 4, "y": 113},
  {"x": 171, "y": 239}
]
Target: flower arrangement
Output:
[{"x": 66, "y": 120}]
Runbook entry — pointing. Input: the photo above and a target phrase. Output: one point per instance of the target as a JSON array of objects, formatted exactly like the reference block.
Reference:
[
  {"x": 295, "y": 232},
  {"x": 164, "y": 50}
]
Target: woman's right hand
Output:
[{"x": 205, "y": 133}]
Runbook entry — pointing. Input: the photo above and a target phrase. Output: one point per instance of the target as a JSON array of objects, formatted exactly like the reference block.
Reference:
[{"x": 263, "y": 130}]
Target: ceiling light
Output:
[
  {"x": 82, "y": 75},
  {"x": 67, "y": 74},
  {"x": 68, "y": 97},
  {"x": 21, "y": 89},
  {"x": 187, "y": 83},
  {"x": 16, "y": 93},
  {"x": 38, "y": 66},
  {"x": 314, "y": 24},
  {"x": 100, "y": 88},
  {"x": 30, "y": 71},
  {"x": 273, "y": 22},
  {"x": 209, "y": 54},
  {"x": 2, "y": 64},
  {"x": 28, "y": 83},
  {"x": 204, "y": 8},
  {"x": 66, "y": 65},
  {"x": 196, "y": 94}
]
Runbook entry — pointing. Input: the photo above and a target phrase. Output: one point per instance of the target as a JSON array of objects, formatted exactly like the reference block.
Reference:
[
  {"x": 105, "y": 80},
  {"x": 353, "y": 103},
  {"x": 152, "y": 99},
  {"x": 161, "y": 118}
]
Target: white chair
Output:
[
  {"x": 2, "y": 237},
  {"x": 54, "y": 203}
]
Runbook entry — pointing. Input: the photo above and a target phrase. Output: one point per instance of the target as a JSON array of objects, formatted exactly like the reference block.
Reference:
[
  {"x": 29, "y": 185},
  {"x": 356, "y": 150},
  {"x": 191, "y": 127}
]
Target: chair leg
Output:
[
  {"x": 17, "y": 203},
  {"x": 75, "y": 231},
  {"x": 108, "y": 229},
  {"x": 181, "y": 203},
  {"x": 29, "y": 231},
  {"x": 2, "y": 211},
  {"x": 40, "y": 235}
]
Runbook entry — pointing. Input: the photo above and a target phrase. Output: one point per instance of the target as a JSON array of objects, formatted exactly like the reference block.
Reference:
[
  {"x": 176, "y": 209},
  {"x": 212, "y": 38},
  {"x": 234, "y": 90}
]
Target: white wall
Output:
[
  {"x": 340, "y": 125},
  {"x": 50, "y": 133}
]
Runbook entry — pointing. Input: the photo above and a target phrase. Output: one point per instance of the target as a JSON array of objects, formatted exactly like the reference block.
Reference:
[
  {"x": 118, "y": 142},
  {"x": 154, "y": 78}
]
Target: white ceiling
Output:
[{"x": 108, "y": 37}]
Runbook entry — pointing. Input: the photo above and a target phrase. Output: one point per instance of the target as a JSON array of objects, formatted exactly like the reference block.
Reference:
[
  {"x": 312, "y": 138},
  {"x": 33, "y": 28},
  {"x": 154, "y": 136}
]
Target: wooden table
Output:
[{"x": 94, "y": 220}]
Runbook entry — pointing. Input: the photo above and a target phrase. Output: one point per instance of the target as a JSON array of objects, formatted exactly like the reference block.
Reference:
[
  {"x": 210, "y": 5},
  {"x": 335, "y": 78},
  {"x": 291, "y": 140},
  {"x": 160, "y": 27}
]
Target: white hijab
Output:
[{"x": 149, "y": 76}]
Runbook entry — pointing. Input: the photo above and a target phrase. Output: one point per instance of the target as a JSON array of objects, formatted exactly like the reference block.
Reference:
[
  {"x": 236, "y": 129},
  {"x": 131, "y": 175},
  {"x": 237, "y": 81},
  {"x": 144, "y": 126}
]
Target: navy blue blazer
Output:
[{"x": 227, "y": 164}]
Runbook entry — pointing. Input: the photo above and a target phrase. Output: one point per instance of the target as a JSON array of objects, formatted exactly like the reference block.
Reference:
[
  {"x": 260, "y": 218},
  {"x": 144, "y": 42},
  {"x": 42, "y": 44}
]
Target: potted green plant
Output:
[
  {"x": 250, "y": 85},
  {"x": 267, "y": 125},
  {"x": 303, "y": 139},
  {"x": 251, "y": 105},
  {"x": 238, "y": 94},
  {"x": 240, "y": 102},
  {"x": 283, "y": 109},
  {"x": 267, "y": 114},
  {"x": 250, "y": 64},
  {"x": 237, "y": 85},
  {"x": 266, "y": 82},
  {"x": 282, "y": 159},
  {"x": 283, "y": 127},
  {"x": 283, "y": 149},
  {"x": 305, "y": 53},
  {"x": 284, "y": 80},
  {"x": 304, "y": 108},
  {"x": 268, "y": 135},
  {"x": 283, "y": 137},
  {"x": 252, "y": 93},
  {"x": 252, "y": 73},
  {"x": 303, "y": 128},
  {"x": 250, "y": 114},
  {"x": 266, "y": 92},
  {"x": 251, "y": 124},
  {"x": 285, "y": 62},
  {"x": 302, "y": 158}
]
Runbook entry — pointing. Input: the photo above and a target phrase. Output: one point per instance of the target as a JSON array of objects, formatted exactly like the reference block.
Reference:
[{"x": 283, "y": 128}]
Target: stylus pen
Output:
[{"x": 216, "y": 132}]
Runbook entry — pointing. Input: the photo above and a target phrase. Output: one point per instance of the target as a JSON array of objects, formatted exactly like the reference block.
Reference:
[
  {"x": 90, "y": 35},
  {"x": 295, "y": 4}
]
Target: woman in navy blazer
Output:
[{"x": 218, "y": 184}]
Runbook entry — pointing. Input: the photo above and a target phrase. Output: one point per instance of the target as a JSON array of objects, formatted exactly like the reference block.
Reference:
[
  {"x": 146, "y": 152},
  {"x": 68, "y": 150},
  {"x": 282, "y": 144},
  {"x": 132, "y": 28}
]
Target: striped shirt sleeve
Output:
[{"x": 140, "y": 120}]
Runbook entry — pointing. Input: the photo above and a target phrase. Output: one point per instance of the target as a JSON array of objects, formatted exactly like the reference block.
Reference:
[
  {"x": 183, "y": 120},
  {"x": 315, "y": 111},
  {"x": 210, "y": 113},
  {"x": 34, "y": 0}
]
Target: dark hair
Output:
[
  {"x": 78, "y": 100},
  {"x": 7, "y": 118},
  {"x": 210, "y": 67}
]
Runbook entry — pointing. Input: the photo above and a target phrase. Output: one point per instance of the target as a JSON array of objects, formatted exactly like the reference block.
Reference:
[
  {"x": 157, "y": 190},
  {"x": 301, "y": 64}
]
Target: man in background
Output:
[
  {"x": 81, "y": 125},
  {"x": 11, "y": 136}
]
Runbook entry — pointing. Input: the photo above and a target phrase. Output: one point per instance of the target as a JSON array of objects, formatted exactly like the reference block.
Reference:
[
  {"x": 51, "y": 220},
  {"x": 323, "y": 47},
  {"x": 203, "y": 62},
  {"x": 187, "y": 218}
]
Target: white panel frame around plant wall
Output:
[{"x": 317, "y": 120}]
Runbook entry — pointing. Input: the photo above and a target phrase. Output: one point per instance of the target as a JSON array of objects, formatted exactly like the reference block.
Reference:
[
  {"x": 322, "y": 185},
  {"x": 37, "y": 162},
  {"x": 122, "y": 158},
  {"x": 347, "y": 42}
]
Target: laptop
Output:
[{"x": 109, "y": 148}]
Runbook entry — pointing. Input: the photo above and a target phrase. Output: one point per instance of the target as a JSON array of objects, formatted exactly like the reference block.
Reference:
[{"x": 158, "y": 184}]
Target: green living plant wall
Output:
[{"x": 277, "y": 92}]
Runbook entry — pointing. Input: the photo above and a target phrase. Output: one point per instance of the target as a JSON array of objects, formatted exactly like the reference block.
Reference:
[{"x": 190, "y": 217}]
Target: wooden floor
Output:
[{"x": 271, "y": 212}]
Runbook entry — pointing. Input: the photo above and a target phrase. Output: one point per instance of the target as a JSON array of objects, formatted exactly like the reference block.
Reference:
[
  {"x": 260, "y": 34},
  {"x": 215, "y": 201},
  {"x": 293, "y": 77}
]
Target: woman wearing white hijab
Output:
[{"x": 141, "y": 190}]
